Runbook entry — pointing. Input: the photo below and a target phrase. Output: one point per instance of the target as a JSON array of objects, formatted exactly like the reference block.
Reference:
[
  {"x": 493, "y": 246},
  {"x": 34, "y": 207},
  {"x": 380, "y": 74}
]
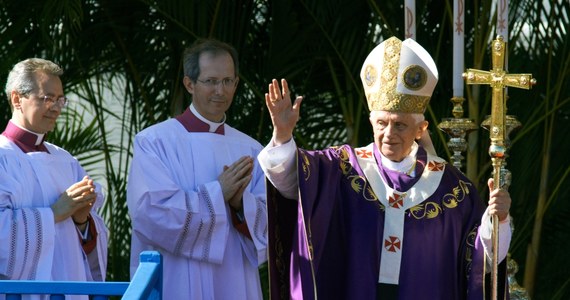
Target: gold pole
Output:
[{"x": 498, "y": 79}]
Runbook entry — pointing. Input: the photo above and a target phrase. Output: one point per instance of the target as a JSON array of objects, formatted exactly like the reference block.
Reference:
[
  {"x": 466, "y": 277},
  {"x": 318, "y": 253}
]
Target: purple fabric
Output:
[
  {"x": 396, "y": 180},
  {"x": 193, "y": 124},
  {"x": 23, "y": 139},
  {"x": 342, "y": 232}
]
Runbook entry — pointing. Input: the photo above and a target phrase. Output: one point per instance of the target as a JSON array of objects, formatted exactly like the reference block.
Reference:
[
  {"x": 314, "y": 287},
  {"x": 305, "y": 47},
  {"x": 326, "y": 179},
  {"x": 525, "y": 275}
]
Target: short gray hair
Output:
[{"x": 22, "y": 76}]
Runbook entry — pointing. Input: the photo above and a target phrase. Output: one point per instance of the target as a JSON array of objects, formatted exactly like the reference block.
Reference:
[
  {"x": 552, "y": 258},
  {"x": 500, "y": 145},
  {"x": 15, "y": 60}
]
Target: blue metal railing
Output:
[{"x": 145, "y": 284}]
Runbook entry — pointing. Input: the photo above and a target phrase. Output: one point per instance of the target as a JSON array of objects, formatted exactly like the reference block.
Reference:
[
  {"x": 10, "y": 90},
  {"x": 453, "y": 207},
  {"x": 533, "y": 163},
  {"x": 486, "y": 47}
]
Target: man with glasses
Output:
[
  {"x": 49, "y": 227},
  {"x": 195, "y": 192}
]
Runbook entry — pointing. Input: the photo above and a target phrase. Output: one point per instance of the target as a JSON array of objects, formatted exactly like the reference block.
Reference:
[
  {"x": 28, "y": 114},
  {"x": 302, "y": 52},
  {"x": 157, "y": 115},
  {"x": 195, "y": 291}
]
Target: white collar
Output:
[
  {"x": 213, "y": 125},
  {"x": 406, "y": 166}
]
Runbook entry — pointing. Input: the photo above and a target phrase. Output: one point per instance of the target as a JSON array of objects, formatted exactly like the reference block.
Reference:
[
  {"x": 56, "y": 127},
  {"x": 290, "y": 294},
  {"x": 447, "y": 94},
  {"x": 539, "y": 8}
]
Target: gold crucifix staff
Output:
[{"x": 498, "y": 79}]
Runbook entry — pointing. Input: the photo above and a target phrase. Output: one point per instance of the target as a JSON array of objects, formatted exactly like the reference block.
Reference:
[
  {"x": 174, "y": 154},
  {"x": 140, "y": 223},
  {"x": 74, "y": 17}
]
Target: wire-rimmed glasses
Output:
[
  {"x": 52, "y": 100},
  {"x": 212, "y": 83}
]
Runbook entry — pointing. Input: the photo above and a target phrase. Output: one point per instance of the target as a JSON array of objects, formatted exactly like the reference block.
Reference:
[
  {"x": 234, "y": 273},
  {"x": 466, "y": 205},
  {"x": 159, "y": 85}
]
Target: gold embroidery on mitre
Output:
[
  {"x": 388, "y": 77},
  {"x": 395, "y": 102},
  {"x": 386, "y": 97}
]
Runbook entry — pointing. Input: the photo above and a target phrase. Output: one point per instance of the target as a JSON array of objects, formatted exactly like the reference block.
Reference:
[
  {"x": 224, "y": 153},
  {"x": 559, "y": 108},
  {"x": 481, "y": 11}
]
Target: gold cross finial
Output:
[{"x": 498, "y": 79}]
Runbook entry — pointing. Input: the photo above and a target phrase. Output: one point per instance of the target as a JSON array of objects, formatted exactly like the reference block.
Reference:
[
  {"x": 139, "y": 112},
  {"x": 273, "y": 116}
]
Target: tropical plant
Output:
[{"x": 122, "y": 62}]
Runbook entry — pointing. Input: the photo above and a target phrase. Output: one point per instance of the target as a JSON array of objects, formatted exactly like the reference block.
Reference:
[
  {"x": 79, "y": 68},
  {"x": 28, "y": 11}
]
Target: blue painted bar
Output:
[
  {"x": 147, "y": 281},
  {"x": 145, "y": 284},
  {"x": 63, "y": 287}
]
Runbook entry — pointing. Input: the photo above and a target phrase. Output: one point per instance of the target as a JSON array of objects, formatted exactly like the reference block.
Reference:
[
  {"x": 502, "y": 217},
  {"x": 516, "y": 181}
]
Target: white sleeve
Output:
[
  {"x": 280, "y": 167},
  {"x": 485, "y": 234},
  {"x": 166, "y": 215},
  {"x": 255, "y": 212}
]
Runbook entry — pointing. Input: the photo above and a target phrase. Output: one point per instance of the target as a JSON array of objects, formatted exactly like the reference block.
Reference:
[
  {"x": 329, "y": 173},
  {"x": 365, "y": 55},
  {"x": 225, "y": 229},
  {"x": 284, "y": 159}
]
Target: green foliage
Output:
[{"x": 122, "y": 62}]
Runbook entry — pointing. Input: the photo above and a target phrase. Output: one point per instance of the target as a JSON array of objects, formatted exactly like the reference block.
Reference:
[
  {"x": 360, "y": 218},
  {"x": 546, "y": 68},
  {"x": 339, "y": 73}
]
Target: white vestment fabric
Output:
[
  {"x": 32, "y": 245},
  {"x": 177, "y": 207}
]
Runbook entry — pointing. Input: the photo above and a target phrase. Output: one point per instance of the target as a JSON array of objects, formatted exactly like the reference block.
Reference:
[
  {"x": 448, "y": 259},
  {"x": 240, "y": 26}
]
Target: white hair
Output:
[{"x": 417, "y": 117}]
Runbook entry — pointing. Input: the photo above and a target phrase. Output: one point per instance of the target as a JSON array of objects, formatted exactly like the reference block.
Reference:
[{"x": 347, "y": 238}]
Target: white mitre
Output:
[{"x": 399, "y": 76}]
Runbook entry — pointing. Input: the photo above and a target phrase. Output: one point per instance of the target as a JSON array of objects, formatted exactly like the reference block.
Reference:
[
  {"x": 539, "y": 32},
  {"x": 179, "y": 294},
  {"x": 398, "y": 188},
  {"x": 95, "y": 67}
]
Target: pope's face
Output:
[
  {"x": 395, "y": 133},
  {"x": 212, "y": 101},
  {"x": 31, "y": 111}
]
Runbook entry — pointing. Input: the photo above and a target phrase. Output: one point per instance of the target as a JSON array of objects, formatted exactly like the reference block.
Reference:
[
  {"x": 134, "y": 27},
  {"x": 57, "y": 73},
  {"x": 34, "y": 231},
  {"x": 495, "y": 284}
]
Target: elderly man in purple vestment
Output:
[
  {"x": 390, "y": 220},
  {"x": 49, "y": 227},
  {"x": 196, "y": 194}
]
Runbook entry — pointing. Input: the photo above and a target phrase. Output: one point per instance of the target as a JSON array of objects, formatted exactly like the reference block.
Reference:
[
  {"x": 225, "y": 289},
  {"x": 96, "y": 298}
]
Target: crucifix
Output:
[{"x": 498, "y": 79}]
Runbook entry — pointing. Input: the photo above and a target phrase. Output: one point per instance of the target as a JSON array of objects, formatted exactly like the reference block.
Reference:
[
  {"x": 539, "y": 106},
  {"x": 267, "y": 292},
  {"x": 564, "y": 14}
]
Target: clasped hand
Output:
[
  {"x": 234, "y": 179},
  {"x": 75, "y": 202}
]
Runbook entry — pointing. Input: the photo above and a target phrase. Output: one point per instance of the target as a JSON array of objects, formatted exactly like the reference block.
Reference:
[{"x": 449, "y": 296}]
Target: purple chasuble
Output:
[
  {"x": 328, "y": 243},
  {"x": 193, "y": 124},
  {"x": 25, "y": 140}
]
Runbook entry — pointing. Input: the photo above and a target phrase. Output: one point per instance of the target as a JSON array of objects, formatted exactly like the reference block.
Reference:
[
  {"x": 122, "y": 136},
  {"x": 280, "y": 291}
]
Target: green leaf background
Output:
[{"x": 122, "y": 62}]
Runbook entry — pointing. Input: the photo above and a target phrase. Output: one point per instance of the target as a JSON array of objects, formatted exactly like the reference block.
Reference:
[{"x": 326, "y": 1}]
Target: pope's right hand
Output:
[{"x": 284, "y": 114}]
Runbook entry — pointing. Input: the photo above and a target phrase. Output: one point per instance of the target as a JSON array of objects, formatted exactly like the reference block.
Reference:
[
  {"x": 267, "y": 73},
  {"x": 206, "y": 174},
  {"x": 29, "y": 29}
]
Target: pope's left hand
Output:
[{"x": 499, "y": 201}]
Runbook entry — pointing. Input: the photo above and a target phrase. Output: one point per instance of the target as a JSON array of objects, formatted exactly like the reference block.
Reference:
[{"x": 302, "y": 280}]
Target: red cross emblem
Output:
[
  {"x": 363, "y": 153},
  {"x": 435, "y": 166},
  {"x": 396, "y": 201},
  {"x": 392, "y": 244}
]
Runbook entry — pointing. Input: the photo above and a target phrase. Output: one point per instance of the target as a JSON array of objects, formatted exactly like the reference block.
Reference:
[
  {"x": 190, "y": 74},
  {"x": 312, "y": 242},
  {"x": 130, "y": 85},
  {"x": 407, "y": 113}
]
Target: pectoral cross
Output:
[{"x": 498, "y": 79}]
